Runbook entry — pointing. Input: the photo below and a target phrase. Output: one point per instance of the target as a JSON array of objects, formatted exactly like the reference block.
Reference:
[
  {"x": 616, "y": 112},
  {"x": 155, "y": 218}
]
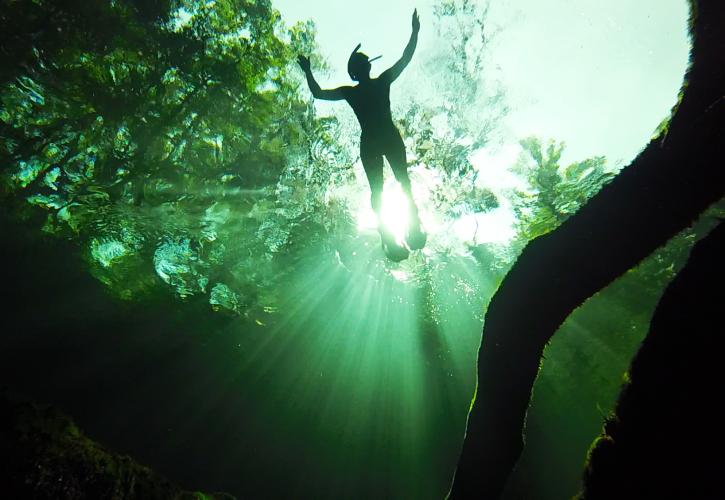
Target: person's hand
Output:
[
  {"x": 304, "y": 63},
  {"x": 416, "y": 21}
]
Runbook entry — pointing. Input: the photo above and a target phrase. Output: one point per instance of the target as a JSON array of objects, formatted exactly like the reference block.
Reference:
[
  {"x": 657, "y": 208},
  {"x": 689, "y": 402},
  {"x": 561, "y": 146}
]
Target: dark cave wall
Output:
[
  {"x": 670, "y": 183},
  {"x": 660, "y": 441}
]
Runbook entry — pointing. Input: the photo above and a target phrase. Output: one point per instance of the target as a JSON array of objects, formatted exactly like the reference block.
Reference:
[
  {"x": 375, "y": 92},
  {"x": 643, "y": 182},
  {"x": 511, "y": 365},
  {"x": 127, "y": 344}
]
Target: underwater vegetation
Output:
[
  {"x": 173, "y": 145},
  {"x": 46, "y": 456}
]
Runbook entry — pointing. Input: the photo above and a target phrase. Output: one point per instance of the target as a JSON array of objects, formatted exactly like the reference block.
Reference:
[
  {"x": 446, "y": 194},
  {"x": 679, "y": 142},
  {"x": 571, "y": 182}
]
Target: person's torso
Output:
[{"x": 371, "y": 103}]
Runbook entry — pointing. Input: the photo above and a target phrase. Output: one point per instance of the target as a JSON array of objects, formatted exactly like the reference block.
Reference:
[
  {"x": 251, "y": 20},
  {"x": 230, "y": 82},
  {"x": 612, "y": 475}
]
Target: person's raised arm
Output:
[
  {"x": 392, "y": 73},
  {"x": 326, "y": 94}
]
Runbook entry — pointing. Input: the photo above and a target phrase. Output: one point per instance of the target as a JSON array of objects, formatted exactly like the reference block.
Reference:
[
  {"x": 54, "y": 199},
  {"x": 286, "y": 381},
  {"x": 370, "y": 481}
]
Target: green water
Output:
[{"x": 243, "y": 330}]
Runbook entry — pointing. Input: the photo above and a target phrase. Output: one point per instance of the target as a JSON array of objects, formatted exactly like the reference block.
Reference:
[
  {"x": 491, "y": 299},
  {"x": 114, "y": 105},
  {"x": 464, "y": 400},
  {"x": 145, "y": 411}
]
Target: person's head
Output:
[{"x": 358, "y": 66}]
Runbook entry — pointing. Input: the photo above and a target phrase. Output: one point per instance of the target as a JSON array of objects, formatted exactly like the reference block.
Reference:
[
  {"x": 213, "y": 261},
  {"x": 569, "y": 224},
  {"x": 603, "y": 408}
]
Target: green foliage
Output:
[
  {"x": 556, "y": 192},
  {"x": 455, "y": 109},
  {"x": 147, "y": 130}
]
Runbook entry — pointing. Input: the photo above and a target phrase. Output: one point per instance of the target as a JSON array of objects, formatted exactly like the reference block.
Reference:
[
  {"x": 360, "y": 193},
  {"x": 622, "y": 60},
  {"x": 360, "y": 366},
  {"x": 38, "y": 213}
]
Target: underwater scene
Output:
[{"x": 258, "y": 260}]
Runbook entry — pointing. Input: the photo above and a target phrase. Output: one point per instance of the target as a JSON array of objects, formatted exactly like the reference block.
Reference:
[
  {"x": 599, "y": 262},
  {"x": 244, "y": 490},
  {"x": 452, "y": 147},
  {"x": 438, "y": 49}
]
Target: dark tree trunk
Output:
[{"x": 674, "y": 180}]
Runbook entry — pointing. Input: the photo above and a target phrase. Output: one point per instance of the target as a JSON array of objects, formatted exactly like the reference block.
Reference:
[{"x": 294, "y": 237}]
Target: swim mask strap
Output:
[{"x": 349, "y": 61}]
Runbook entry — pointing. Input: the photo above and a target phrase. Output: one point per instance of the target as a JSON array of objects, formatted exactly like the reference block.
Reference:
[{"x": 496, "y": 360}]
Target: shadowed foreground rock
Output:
[
  {"x": 45, "y": 456},
  {"x": 665, "y": 438},
  {"x": 662, "y": 192}
]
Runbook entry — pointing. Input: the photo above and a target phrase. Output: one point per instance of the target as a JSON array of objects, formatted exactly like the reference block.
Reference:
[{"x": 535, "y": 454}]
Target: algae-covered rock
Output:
[
  {"x": 661, "y": 193},
  {"x": 45, "y": 456}
]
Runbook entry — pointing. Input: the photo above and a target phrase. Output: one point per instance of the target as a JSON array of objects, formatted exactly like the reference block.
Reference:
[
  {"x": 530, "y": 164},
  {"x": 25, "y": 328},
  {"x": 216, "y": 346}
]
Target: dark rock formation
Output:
[
  {"x": 665, "y": 438},
  {"x": 45, "y": 456},
  {"x": 674, "y": 180}
]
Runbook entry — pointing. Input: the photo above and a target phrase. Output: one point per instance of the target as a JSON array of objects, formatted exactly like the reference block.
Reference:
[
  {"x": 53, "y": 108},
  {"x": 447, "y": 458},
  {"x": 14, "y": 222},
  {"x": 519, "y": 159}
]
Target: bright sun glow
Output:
[
  {"x": 395, "y": 210},
  {"x": 394, "y": 213}
]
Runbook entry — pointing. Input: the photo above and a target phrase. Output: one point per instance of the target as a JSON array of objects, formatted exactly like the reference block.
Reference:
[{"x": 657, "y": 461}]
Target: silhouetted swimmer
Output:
[{"x": 370, "y": 100}]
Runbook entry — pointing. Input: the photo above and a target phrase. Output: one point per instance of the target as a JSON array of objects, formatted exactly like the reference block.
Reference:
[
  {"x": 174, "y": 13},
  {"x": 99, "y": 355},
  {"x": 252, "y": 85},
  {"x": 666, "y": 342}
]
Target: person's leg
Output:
[
  {"x": 372, "y": 160},
  {"x": 373, "y": 164},
  {"x": 395, "y": 153}
]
